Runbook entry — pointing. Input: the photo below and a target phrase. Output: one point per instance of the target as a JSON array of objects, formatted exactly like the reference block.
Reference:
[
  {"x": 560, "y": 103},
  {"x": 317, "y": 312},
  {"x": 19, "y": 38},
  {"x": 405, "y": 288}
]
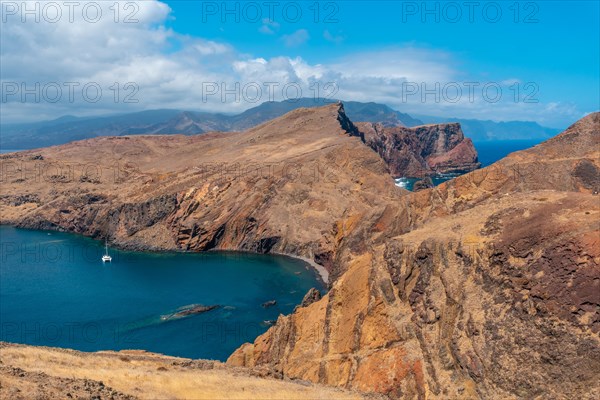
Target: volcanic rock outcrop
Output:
[
  {"x": 294, "y": 185},
  {"x": 486, "y": 286},
  {"x": 422, "y": 150}
]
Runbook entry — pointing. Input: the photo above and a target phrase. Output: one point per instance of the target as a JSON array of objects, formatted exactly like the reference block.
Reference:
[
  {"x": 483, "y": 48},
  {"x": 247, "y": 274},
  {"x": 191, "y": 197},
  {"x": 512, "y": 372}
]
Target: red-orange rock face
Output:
[
  {"x": 422, "y": 150},
  {"x": 483, "y": 287}
]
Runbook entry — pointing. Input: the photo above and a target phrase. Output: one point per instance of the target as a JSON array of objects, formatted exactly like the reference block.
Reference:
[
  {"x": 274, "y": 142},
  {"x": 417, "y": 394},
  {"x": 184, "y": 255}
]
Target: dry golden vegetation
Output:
[{"x": 39, "y": 372}]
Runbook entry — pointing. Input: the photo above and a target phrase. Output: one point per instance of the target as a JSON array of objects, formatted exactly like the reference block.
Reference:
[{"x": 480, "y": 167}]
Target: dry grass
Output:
[{"x": 152, "y": 376}]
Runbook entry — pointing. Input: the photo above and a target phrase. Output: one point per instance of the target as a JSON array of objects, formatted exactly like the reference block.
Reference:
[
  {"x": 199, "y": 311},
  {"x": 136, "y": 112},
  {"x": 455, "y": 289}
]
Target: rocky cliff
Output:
[
  {"x": 422, "y": 150},
  {"x": 486, "y": 286},
  {"x": 294, "y": 185}
]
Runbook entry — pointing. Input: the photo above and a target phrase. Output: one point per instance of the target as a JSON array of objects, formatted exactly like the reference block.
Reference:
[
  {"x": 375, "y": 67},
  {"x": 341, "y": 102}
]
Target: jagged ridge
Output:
[
  {"x": 434, "y": 294},
  {"x": 485, "y": 287}
]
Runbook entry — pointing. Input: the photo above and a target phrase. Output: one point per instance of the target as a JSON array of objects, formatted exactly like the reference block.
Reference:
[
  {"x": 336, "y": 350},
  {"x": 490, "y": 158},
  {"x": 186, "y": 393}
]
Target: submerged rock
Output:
[
  {"x": 189, "y": 310},
  {"x": 269, "y": 303},
  {"x": 195, "y": 310}
]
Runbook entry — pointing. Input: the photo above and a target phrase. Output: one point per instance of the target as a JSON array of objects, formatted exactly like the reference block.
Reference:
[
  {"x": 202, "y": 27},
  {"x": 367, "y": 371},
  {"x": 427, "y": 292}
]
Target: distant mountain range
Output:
[{"x": 159, "y": 122}]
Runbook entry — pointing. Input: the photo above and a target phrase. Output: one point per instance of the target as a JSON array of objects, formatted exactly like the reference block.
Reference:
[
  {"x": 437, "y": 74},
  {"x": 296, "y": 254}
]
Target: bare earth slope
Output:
[
  {"x": 486, "y": 286},
  {"x": 292, "y": 185}
]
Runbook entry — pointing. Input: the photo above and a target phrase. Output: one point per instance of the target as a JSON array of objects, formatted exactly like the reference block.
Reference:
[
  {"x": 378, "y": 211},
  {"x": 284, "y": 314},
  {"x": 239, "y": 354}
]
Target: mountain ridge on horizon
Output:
[
  {"x": 68, "y": 128},
  {"x": 470, "y": 287}
]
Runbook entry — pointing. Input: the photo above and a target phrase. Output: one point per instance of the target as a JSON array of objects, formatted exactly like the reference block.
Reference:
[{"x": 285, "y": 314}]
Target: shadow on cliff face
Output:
[{"x": 485, "y": 286}]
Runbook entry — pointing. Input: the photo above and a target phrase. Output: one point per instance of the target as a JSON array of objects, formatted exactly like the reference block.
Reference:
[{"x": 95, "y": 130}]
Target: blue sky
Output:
[
  {"x": 547, "y": 50},
  {"x": 555, "y": 44}
]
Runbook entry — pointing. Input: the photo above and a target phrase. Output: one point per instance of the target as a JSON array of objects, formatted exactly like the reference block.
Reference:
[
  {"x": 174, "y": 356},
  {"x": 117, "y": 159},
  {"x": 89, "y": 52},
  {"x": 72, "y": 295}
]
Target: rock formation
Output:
[
  {"x": 268, "y": 304},
  {"x": 422, "y": 150},
  {"x": 294, "y": 185},
  {"x": 486, "y": 286},
  {"x": 311, "y": 296},
  {"x": 188, "y": 311},
  {"x": 425, "y": 183}
]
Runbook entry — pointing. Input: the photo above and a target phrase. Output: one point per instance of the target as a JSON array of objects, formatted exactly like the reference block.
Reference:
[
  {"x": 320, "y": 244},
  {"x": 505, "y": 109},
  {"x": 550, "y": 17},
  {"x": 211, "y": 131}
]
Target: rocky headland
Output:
[
  {"x": 486, "y": 286},
  {"x": 424, "y": 150}
]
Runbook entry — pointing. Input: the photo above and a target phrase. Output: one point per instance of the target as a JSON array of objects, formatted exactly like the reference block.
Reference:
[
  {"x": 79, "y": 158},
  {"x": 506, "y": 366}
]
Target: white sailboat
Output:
[{"x": 106, "y": 257}]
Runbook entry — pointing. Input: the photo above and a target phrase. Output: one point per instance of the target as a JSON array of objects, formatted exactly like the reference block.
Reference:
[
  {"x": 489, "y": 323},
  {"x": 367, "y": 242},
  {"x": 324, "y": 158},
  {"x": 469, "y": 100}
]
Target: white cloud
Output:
[
  {"x": 174, "y": 71},
  {"x": 266, "y": 30},
  {"x": 407, "y": 63},
  {"x": 511, "y": 81},
  {"x": 209, "y": 47},
  {"x": 337, "y": 39},
  {"x": 297, "y": 38},
  {"x": 269, "y": 27}
]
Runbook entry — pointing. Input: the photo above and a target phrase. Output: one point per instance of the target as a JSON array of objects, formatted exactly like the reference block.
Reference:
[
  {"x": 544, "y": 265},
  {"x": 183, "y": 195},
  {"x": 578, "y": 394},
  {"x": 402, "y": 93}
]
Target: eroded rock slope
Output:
[
  {"x": 293, "y": 185},
  {"x": 487, "y": 286},
  {"x": 483, "y": 287},
  {"x": 422, "y": 150}
]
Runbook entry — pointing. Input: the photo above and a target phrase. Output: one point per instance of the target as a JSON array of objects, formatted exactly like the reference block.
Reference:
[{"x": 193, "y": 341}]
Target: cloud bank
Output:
[{"x": 145, "y": 65}]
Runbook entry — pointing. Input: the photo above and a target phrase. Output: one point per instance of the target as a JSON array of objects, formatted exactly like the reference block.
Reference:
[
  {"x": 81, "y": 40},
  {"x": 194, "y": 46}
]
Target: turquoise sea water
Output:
[
  {"x": 55, "y": 291},
  {"x": 488, "y": 152},
  {"x": 492, "y": 151}
]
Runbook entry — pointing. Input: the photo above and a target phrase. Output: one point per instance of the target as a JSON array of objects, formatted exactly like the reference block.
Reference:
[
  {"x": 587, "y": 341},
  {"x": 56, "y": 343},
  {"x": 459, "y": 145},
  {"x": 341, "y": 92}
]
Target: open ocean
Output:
[{"x": 489, "y": 153}]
